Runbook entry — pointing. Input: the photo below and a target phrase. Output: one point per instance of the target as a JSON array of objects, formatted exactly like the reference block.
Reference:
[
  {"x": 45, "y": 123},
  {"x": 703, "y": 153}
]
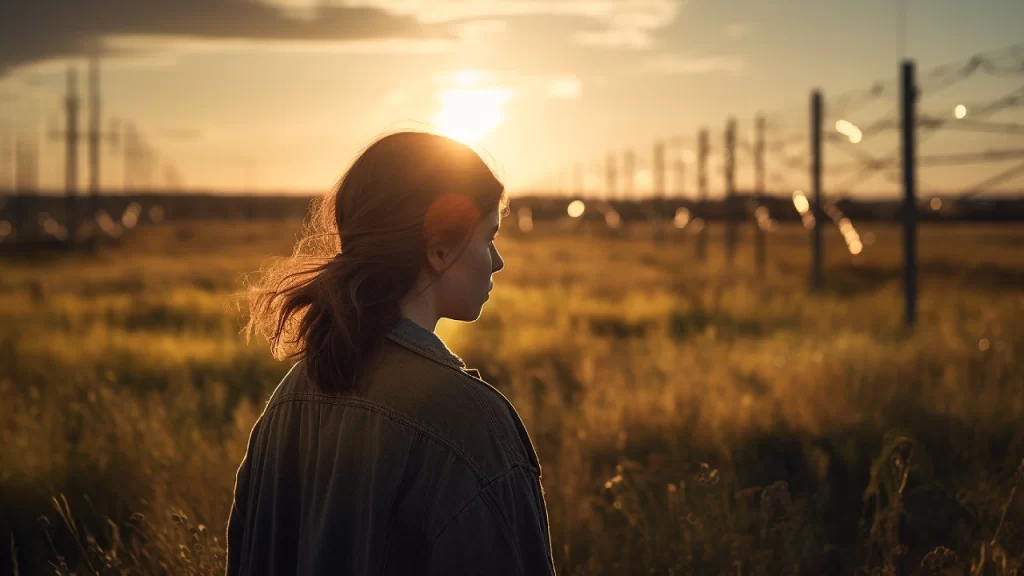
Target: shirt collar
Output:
[{"x": 424, "y": 341}]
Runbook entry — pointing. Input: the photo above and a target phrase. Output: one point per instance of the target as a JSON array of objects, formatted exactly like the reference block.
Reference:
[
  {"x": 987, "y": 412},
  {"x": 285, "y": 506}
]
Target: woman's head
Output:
[{"x": 409, "y": 225}]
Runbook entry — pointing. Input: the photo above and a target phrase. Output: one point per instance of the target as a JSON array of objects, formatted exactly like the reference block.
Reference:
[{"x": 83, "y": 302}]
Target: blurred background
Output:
[{"x": 764, "y": 299}]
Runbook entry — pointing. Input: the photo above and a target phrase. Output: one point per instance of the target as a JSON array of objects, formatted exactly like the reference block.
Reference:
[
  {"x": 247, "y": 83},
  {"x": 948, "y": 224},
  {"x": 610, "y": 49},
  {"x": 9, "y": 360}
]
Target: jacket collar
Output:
[{"x": 425, "y": 342}]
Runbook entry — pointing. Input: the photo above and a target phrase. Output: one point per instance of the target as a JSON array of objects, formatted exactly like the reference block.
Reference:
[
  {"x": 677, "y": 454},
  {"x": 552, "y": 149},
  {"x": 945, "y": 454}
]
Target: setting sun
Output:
[{"x": 469, "y": 114}]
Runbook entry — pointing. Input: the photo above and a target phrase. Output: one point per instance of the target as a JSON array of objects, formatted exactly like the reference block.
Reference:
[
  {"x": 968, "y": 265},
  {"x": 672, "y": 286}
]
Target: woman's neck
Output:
[{"x": 420, "y": 309}]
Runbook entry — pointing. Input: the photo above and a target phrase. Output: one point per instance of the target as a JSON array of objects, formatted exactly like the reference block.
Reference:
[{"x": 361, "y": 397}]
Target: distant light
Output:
[
  {"x": 856, "y": 247},
  {"x": 697, "y": 225},
  {"x": 107, "y": 224},
  {"x": 983, "y": 344},
  {"x": 936, "y": 204},
  {"x": 576, "y": 208},
  {"x": 960, "y": 111},
  {"x": 682, "y": 218},
  {"x": 644, "y": 179},
  {"x": 525, "y": 219},
  {"x": 800, "y": 202},
  {"x": 848, "y": 129},
  {"x": 131, "y": 215},
  {"x": 612, "y": 219},
  {"x": 762, "y": 213}
]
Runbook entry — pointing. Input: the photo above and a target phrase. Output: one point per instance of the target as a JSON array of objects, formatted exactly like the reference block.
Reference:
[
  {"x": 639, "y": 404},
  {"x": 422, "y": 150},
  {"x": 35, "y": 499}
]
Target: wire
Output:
[{"x": 997, "y": 179}]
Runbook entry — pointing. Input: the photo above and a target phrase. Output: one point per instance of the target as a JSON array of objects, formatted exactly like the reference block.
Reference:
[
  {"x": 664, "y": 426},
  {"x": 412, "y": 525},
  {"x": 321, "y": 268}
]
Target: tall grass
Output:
[{"x": 690, "y": 417}]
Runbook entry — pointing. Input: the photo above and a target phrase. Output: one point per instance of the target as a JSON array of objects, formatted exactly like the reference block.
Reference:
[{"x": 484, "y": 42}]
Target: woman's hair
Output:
[{"x": 362, "y": 251}]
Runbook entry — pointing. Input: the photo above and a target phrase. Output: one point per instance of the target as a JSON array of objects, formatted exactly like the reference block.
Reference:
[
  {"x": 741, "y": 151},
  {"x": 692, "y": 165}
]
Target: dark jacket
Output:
[{"x": 429, "y": 471}]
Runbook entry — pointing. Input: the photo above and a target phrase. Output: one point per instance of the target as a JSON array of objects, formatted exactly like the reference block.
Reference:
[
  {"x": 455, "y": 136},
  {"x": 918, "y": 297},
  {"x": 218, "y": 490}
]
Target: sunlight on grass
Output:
[{"x": 690, "y": 418}]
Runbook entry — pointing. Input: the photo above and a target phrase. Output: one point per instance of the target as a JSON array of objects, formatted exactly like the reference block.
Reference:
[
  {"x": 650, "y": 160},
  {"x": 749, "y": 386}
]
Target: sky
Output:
[{"x": 280, "y": 96}]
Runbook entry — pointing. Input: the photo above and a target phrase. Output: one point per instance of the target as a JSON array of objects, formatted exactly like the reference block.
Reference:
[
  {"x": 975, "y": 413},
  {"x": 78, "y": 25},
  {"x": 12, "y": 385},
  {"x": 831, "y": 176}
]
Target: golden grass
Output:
[{"x": 690, "y": 417}]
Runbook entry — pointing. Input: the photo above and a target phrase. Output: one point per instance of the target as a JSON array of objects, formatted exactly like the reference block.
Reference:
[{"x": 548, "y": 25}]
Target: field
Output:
[{"x": 690, "y": 417}]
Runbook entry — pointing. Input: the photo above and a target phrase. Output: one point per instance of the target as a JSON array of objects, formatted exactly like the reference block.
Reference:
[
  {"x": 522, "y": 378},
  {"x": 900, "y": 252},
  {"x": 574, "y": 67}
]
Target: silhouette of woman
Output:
[{"x": 380, "y": 452}]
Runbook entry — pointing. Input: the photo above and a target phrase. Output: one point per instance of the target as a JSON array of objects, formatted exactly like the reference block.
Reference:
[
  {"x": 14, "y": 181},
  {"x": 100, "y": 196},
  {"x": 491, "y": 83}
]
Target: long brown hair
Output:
[{"x": 362, "y": 251}]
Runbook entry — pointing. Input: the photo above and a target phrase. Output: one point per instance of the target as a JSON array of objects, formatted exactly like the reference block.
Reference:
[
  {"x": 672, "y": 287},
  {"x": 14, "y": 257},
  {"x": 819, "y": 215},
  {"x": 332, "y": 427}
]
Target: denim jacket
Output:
[{"x": 428, "y": 471}]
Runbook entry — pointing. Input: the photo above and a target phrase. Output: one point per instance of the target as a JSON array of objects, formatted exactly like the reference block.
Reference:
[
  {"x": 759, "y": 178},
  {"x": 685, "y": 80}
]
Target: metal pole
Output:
[
  {"x": 628, "y": 167},
  {"x": 655, "y": 203},
  {"x": 130, "y": 143},
  {"x": 759, "y": 233},
  {"x": 909, "y": 117},
  {"x": 71, "y": 154},
  {"x": 659, "y": 169},
  {"x": 680, "y": 172},
  {"x": 20, "y": 186},
  {"x": 730, "y": 189},
  {"x": 609, "y": 176},
  {"x": 816, "y": 115},
  {"x": 94, "y": 137},
  {"x": 702, "y": 192}
]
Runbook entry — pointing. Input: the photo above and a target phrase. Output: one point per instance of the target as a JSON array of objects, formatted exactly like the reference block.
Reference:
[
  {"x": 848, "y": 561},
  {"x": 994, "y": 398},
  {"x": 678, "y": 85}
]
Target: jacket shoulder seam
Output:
[
  {"x": 481, "y": 494},
  {"x": 391, "y": 414},
  {"x": 472, "y": 384}
]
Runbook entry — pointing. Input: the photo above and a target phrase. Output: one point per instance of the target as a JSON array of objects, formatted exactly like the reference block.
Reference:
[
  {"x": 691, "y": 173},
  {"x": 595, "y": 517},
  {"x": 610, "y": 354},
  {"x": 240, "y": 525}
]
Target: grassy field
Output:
[{"x": 690, "y": 417}]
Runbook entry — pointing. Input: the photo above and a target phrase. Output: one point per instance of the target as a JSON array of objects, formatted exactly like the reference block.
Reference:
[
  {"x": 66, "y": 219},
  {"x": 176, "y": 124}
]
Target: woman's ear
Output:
[{"x": 438, "y": 255}]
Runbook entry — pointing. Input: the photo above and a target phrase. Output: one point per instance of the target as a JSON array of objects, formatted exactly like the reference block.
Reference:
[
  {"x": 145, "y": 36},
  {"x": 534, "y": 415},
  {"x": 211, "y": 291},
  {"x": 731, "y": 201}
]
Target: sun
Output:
[{"x": 469, "y": 114}]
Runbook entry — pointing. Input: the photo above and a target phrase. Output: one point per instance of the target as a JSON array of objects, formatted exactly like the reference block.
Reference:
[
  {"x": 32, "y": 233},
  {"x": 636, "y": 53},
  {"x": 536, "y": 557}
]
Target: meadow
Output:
[{"x": 690, "y": 417}]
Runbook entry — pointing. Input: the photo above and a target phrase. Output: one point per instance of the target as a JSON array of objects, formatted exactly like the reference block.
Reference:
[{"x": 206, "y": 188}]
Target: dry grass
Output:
[{"x": 690, "y": 418}]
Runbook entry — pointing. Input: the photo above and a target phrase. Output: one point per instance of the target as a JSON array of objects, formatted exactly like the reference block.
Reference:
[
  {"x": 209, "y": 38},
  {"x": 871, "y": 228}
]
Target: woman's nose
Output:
[{"x": 497, "y": 262}]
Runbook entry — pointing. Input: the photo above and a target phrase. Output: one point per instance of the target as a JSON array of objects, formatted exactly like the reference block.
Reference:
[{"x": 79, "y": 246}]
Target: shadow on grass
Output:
[{"x": 851, "y": 280}]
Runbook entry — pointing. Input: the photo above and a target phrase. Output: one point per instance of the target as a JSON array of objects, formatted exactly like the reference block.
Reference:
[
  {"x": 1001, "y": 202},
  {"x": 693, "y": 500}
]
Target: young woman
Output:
[{"x": 381, "y": 452}]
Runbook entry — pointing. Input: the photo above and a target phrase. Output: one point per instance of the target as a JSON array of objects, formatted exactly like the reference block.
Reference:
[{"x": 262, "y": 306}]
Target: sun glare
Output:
[{"x": 469, "y": 114}]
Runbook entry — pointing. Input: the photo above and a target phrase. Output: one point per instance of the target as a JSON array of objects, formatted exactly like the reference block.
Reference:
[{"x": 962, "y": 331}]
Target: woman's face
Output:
[{"x": 464, "y": 287}]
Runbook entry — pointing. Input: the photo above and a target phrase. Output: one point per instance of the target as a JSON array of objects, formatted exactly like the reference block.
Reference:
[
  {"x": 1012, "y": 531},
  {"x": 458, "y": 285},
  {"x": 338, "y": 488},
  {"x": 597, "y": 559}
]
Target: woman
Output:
[{"x": 380, "y": 452}]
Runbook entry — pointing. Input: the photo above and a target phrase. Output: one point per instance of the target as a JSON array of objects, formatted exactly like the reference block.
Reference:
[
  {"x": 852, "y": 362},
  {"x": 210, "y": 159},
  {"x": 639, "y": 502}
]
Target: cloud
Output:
[
  {"x": 554, "y": 86},
  {"x": 40, "y": 30},
  {"x": 677, "y": 64},
  {"x": 565, "y": 88},
  {"x": 612, "y": 23}
]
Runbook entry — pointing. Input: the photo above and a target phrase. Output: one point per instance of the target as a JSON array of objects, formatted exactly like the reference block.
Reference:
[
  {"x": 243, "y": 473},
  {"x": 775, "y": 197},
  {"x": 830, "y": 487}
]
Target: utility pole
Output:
[
  {"x": 730, "y": 189},
  {"x": 629, "y": 175},
  {"x": 909, "y": 120},
  {"x": 759, "y": 192},
  {"x": 679, "y": 169},
  {"x": 659, "y": 169},
  {"x": 95, "y": 135},
  {"x": 70, "y": 135},
  {"x": 816, "y": 116},
  {"x": 702, "y": 192},
  {"x": 610, "y": 177}
]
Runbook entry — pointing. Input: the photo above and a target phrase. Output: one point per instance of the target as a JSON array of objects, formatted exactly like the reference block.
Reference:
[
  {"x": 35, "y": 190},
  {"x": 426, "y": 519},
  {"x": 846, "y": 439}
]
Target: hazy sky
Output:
[{"x": 281, "y": 96}]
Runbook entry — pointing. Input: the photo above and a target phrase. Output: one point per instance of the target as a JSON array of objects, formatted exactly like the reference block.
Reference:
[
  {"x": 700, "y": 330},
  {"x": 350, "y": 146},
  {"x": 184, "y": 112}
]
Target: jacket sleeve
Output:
[
  {"x": 236, "y": 520},
  {"x": 500, "y": 531},
  {"x": 237, "y": 517}
]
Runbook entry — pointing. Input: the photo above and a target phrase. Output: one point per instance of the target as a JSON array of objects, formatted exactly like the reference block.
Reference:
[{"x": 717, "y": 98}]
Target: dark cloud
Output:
[{"x": 36, "y": 30}]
